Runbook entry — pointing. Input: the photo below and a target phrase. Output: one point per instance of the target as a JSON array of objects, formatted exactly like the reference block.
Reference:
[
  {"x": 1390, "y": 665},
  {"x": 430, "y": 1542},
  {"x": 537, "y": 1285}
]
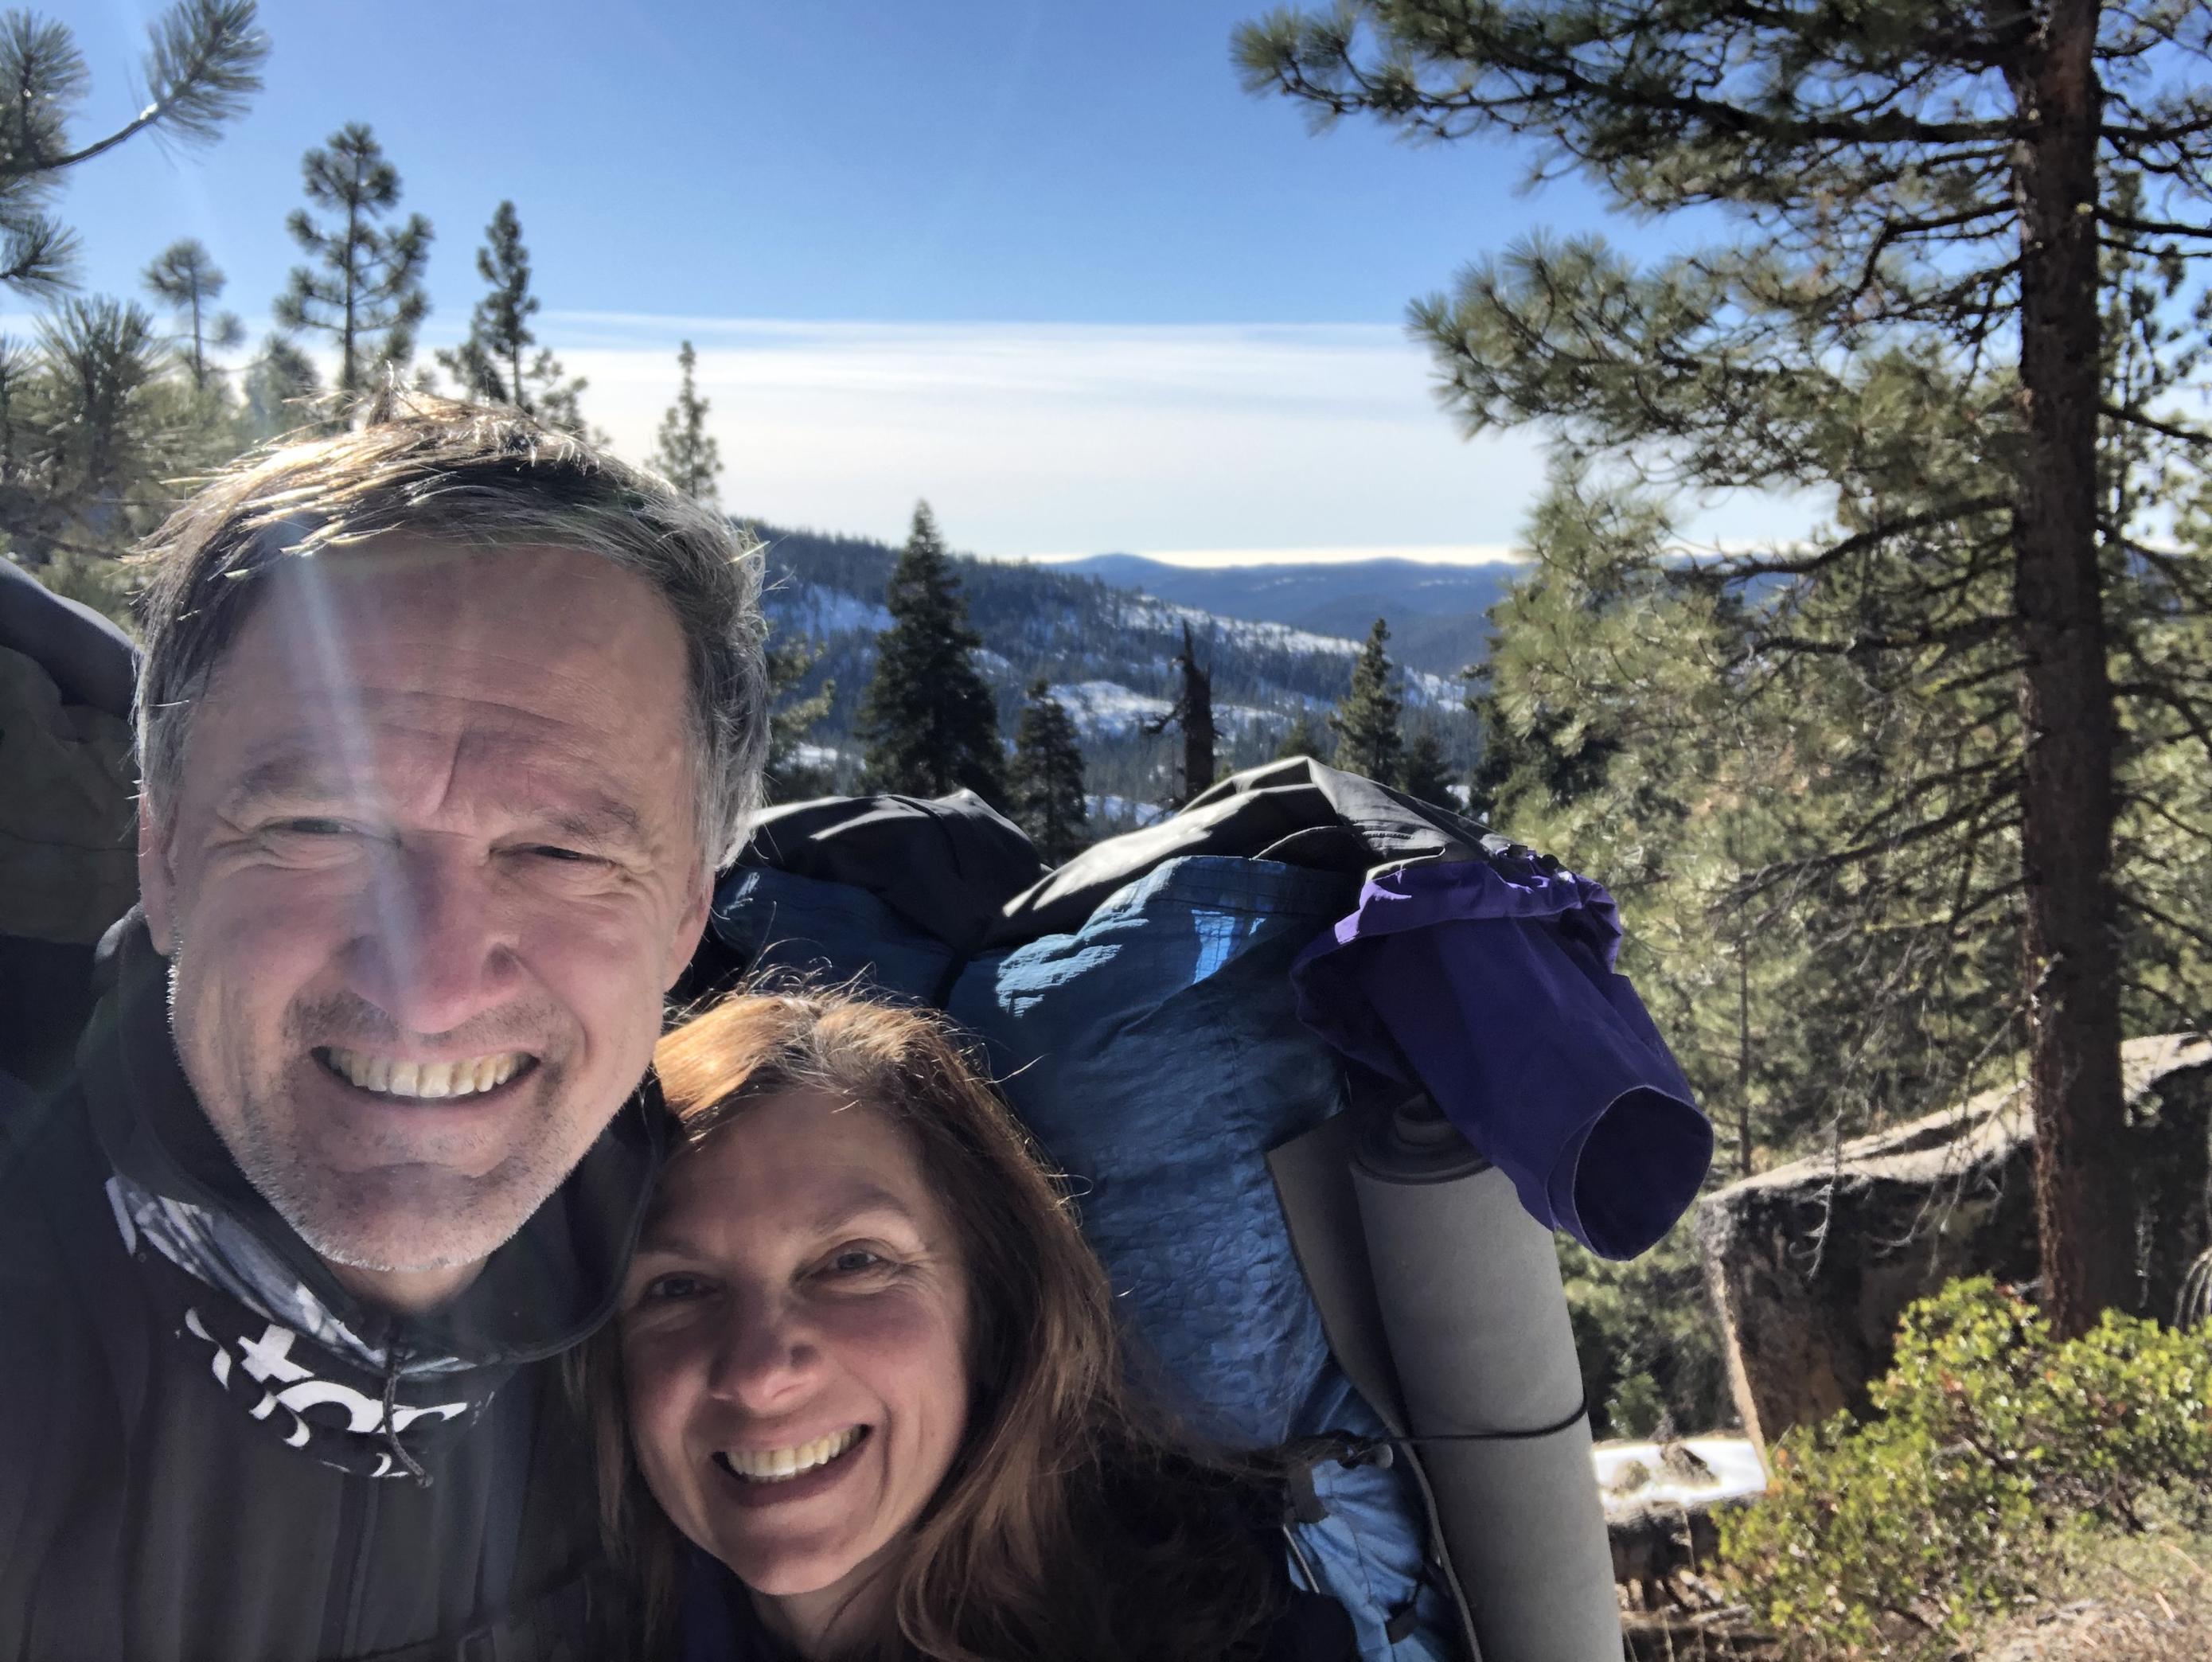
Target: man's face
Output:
[{"x": 433, "y": 863}]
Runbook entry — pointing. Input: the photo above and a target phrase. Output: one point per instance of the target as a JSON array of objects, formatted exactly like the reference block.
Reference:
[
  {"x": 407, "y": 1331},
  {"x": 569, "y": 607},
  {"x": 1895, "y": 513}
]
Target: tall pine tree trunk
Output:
[
  {"x": 348, "y": 365},
  {"x": 1198, "y": 730},
  {"x": 2066, "y": 693}
]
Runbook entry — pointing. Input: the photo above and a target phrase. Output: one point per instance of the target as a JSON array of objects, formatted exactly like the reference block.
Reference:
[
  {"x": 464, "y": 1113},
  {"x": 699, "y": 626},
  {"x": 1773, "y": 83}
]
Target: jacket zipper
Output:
[{"x": 356, "y": 1591}]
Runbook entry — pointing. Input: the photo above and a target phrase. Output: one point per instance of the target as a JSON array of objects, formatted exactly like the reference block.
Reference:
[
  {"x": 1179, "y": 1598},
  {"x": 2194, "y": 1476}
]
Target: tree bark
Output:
[
  {"x": 2071, "y": 965},
  {"x": 1198, "y": 732}
]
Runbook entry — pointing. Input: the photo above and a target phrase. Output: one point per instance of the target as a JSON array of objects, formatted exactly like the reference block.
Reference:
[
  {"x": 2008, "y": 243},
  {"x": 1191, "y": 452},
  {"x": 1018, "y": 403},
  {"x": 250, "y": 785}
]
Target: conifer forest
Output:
[{"x": 1907, "y": 815}]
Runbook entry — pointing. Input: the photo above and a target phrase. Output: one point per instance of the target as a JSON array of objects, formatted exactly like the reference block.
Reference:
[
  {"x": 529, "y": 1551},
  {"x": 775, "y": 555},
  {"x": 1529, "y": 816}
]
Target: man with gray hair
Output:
[{"x": 445, "y": 725}]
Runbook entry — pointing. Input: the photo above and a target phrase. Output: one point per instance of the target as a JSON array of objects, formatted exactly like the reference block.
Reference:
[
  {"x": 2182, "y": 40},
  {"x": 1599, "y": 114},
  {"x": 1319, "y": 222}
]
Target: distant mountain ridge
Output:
[
  {"x": 1435, "y": 610},
  {"x": 1105, "y": 648}
]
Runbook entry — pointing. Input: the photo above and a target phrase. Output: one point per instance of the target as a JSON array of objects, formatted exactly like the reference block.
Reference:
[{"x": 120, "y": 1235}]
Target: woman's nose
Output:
[{"x": 768, "y": 1353}]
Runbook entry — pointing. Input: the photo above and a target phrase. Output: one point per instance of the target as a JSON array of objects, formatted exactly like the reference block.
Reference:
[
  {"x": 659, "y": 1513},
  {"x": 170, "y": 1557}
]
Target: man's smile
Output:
[{"x": 388, "y": 1076}]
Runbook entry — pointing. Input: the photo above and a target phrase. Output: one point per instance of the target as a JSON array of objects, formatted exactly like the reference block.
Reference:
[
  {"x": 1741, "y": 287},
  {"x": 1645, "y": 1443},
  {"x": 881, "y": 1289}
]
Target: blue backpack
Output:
[{"x": 1141, "y": 1007}]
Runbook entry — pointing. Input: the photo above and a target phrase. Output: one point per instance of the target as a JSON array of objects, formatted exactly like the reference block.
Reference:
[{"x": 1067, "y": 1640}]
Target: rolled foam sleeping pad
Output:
[{"x": 1471, "y": 1301}]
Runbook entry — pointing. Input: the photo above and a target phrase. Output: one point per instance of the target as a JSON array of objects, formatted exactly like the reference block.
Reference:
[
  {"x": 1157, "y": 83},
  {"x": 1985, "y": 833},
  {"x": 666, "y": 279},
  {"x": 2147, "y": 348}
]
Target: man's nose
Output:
[
  {"x": 433, "y": 950},
  {"x": 767, "y": 1354}
]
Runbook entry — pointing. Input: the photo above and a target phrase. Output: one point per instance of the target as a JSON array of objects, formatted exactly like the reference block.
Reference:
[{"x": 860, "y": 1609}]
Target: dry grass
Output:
[
  {"x": 2116, "y": 1598},
  {"x": 2138, "y": 1598}
]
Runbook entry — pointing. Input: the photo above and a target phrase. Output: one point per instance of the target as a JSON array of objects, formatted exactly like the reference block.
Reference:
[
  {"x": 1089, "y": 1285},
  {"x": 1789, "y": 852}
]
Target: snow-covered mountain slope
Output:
[{"x": 1107, "y": 651}]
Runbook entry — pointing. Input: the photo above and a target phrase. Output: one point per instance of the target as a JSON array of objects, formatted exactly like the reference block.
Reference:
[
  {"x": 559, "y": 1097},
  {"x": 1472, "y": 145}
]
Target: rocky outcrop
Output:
[{"x": 1811, "y": 1265}]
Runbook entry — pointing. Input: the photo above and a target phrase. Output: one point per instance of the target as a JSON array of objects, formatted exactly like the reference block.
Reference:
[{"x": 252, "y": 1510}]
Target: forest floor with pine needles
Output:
[
  {"x": 2126, "y": 1599},
  {"x": 2118, "y": 1599}
]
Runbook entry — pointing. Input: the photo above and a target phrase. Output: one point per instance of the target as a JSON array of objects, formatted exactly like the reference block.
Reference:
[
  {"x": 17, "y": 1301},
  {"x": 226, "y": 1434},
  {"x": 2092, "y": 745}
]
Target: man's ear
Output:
[
  {"x": 157, "y": 878},
  {"x": 693, "y": 924}
]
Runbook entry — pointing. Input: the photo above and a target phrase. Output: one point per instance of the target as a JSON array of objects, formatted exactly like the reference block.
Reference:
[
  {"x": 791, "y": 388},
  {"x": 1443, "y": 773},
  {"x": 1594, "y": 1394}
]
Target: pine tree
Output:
[
  {"x": 495, "y": 364},
  {"x": 1193, "y": 712},
  {"x": 1046, "y": 778},
  {"x": 929, "y": 721},
  {"x": 1913, "y": 316},
  {"x": 203, "y": 60},
  {"x": 279, "y": 386},
  {"x": 97, "y": 423},
  {"x": 79, "y": 431},
  {"x": 1366, "y": 722},
  {"x": 187, "y": 277},
  {"x": 685, "y": 454},
  {"x": 1425, "y": 775},
  {"x": 786, "y": 777},
  {"x": 365, "y": 288},
  {"x": 1303, "y": 738}
]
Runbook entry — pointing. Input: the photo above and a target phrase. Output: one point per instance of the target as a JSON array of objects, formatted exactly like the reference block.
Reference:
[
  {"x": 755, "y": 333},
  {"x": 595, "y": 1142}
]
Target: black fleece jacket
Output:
[{"x": 188, "y": 1476}]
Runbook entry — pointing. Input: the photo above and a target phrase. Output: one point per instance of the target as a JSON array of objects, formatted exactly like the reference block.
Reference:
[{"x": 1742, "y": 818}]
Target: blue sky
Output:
[{"x": 1045, "y": 264}]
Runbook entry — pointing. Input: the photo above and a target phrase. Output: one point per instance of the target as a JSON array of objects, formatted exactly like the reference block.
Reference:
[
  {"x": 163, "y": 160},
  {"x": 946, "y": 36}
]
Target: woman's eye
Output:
[
  {"x": 857, "y": 1261},
  {"x": 675, "y": 1285},
  {"x": 312, "y": 827}
]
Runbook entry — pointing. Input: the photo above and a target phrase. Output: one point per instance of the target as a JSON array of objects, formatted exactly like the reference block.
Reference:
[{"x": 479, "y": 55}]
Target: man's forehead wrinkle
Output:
[
  {"x": 589, "y": 812},
  {"x": 466, "y": 776},
  {"x": 516, "y": 694},
  {"x": 378, "y": 719},
  {"x": 291, "y": 770},
  {"x": 444, "y": 580},
  {"x": 564, "y": 693},
  {"x": 395, "y": 601}
]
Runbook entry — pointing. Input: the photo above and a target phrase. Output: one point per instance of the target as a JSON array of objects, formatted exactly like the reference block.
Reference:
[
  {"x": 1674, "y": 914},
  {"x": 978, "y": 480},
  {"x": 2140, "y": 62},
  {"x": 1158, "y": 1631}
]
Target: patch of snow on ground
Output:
[
  {"x": 1282, "y": 637},
  {"x": 1427, "y": 691},
  {"x": 1424, "y": 689},
  {"x": 1108, "y": 706},
  {"x": 1123, "y": 810},
  {"x": 1736, "y": 1466},
  {"x": 1148, "y": 612},
  {"x": 817, "y": 612}
]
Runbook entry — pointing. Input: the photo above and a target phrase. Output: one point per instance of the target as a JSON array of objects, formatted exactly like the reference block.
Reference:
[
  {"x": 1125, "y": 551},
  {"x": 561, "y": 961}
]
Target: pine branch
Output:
[
  {"x": 40, "y": 252},
  {"x": 204, "y": 61},
  {"x": 1972, "y": 632},
  {"x": 1526, "y": 108},
  {"x": 2165, "y": 920},
  {"x": 2140, "y": 136},
  {"x": 2137, "y": 418},
  {"x": 2159, "y": 810},
  {"x": 1890, "y": 843},
  {"x": 2193, "y": 716},
  {"x": 2152, "y": 227},
  {"x": 1737, "y": 570}
]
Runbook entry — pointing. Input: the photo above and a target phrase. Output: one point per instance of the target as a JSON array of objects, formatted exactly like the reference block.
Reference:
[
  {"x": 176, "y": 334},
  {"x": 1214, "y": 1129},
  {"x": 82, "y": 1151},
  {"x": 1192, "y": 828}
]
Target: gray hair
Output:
[{"x": 478, "y": 475}]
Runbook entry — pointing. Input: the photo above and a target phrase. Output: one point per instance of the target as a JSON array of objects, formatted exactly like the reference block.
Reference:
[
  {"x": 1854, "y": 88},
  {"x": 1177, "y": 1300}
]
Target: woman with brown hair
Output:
[{"x": 867, "y": 1366}]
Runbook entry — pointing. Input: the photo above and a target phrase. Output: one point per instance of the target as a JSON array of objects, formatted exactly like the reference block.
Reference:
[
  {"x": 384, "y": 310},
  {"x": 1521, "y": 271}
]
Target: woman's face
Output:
[{"x": 793, "y": 1335}]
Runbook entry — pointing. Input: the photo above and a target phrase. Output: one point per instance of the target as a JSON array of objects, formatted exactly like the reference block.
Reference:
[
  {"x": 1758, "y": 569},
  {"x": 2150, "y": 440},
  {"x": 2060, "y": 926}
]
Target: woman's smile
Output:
[
  {"x": 785, "y": 1476},
  {"x": 793, "y": 1335}
]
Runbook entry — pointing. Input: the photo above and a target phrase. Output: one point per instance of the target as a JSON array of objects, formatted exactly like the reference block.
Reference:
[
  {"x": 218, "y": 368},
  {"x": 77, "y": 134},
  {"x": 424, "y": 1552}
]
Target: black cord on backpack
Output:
[{"x": 1347, "y": 1449}]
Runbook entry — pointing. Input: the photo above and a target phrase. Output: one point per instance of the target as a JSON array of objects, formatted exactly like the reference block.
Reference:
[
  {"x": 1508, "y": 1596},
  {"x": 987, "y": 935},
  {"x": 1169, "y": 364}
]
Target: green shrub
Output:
[
  {"x": 1645, "y": 1334},
  {"x": 1990, "y": 1443}
]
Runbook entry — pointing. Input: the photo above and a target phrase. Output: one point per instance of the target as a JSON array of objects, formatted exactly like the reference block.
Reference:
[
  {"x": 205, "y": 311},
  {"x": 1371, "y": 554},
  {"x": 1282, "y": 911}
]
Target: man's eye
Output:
[
  {"x": 562, "y": 856},
  {"x": 313, "y": 827}
]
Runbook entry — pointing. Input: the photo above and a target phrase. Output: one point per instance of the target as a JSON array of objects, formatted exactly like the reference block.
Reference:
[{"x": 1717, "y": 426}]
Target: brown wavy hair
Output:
[{"x": 1073, "y": 1523}]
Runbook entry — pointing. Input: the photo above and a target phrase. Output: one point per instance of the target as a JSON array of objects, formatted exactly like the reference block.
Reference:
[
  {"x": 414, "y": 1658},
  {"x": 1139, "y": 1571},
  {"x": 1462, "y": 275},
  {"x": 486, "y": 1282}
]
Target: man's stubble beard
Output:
[
  {"x": 329, "y": 1210},
  {"x": 365, "y": 1221}
]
